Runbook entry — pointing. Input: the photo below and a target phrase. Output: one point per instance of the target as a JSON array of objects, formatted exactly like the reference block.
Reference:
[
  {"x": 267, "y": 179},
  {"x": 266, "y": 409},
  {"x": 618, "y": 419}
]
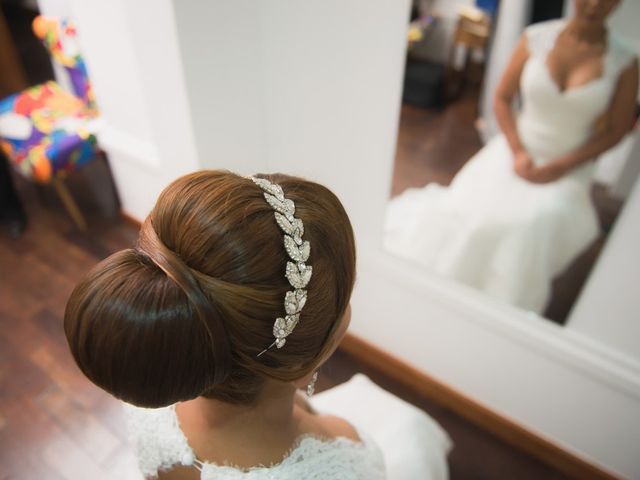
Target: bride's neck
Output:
[
  {"x": 272, "y": 409},
  {"x": 587, "y": 32}
]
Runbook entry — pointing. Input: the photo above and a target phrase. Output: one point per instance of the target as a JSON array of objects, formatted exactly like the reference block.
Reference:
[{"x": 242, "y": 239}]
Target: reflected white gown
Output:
[{"x": 495, "y": 231}]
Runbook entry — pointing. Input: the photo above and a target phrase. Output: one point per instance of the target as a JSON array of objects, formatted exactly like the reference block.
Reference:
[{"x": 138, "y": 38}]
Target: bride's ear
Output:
[{"x": 301, "y": 383}]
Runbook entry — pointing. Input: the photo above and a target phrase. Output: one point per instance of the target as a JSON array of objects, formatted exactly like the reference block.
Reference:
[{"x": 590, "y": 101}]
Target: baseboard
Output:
[
  {"x": 503, "y": 428},
  {"x": 507, "y": 430}
]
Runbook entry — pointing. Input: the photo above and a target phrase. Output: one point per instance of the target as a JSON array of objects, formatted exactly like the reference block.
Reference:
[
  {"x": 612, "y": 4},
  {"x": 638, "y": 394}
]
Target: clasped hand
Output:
[{"x": 525, "y": 168}]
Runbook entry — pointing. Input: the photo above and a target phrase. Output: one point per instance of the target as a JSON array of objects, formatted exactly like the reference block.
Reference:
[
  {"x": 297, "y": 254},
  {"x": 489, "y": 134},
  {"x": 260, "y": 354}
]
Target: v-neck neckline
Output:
[{"x": 568, "y": 90}]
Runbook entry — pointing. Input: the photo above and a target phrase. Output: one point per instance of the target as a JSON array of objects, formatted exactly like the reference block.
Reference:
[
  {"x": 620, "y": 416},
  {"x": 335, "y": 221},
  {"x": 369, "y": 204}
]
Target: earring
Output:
[{"x": 311, "y": 387}]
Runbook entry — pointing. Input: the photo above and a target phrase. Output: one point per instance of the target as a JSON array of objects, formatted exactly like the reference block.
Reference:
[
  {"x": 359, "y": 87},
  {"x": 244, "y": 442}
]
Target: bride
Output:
[
  {"x": 235, "y": 295},
  {"x": 519, "y": 211}
]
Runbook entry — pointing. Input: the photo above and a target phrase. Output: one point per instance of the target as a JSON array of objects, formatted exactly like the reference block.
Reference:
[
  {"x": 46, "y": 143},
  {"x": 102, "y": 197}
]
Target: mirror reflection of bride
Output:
[{"x": 519, "y": 211}]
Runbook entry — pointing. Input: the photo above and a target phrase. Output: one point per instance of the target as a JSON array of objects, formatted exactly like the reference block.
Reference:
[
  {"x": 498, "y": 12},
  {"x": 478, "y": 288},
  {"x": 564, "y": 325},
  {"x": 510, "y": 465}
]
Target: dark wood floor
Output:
[
  {"x": 56, "y": 425},
  {"x": 434, "y": 145},
  {"x": 53, "y": 423}
]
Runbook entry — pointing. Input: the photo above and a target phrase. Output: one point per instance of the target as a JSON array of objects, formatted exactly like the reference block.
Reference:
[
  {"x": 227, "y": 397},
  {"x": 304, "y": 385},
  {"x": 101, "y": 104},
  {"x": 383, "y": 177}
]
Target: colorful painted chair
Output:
[{"x": 45, "y": 130}]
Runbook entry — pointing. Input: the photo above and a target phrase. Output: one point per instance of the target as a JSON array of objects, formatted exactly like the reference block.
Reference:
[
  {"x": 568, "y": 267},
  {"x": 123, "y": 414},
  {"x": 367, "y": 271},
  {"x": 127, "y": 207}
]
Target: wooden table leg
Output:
[{"x": 70, "y": 204}]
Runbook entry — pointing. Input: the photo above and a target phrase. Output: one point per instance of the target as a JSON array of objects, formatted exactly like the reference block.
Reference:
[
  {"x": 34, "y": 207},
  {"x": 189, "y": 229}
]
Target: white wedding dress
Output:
[
  {"x": 399, "y": 442},
  {"x": 491, "y": 229}
]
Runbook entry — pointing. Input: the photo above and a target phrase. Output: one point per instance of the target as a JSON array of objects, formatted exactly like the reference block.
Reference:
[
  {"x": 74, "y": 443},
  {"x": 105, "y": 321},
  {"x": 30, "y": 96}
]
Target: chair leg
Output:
[{"x": 70, "y": 204}]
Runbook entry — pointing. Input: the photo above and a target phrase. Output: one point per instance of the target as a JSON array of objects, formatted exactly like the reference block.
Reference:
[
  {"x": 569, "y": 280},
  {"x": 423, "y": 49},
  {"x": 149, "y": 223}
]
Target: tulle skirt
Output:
[{"x": 492, "y": 230}]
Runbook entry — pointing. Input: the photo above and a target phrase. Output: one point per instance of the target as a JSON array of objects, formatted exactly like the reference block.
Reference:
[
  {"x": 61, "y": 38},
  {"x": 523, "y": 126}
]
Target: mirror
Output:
[{"x": 527, "y": 231}]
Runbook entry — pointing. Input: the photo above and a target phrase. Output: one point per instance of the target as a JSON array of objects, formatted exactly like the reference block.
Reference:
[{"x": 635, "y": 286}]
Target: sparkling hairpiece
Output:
[{"x": 298, "y": 273}]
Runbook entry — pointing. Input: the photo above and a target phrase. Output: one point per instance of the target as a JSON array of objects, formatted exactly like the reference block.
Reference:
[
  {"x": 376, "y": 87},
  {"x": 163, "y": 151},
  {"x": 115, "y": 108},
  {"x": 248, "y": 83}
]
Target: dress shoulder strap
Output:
[
  {"x": 542, "y": 36},
  {"x": 156, "y": 438}
]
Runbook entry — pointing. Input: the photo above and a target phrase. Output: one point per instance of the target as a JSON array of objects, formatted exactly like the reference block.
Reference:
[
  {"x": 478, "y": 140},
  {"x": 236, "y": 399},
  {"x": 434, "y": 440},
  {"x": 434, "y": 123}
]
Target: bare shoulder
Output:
[
  {"x": 325, "y": 425},
  {"x": 338, "y": 427}
]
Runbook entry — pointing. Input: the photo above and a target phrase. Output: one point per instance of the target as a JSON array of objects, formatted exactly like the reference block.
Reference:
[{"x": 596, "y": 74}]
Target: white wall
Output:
[
  {"x": 333, "y": 95},
  {"x": 512, "y": 17},
  {"x": 624, "y": 22},
  {"x": 299, "y": 91},
  {"x": 54, "y": 8},
  {"x": 325, "y": 92},
  {"x": 608, "y": 305},
  {"x": 222, "y": 50}
]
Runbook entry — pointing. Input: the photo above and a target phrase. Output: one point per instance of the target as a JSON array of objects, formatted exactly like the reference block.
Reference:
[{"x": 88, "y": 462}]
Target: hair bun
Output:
[
  {"x": 150, "y": 245},
  {"x": 185, "y": 313}
]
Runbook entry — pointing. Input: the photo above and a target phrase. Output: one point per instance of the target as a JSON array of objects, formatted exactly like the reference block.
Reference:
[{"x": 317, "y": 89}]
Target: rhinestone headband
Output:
[{"x": 298, "y": 273}]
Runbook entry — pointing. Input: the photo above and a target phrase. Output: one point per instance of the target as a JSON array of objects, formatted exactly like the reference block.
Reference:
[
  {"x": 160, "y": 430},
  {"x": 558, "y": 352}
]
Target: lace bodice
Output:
[
  {"x": 160, "y": 444},
  {"x": 552, "y": 121}
]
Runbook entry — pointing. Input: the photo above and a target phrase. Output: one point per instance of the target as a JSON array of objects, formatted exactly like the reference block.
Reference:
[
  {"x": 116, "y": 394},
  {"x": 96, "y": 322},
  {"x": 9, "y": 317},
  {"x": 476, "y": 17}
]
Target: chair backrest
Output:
[{"x": 60, "y": 37}]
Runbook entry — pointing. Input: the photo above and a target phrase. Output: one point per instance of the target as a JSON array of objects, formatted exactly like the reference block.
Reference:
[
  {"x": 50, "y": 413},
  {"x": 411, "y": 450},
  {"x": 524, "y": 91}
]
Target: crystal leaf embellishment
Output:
[
  {"x": 298, "y": 274},
  {"x": 293, "y": 228},
  {"x": 299, "y": 253},
  {"x": 285, "y": 206},
  {"x": 272, "y": 188},
  {"x": 294, "y": 301},
  {"x": 283, "y": 327}
]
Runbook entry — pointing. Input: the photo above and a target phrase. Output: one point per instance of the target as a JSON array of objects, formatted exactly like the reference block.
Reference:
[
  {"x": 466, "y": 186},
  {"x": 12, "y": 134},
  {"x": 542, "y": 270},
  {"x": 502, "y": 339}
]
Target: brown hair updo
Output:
[{"x": 186, "y": 311}]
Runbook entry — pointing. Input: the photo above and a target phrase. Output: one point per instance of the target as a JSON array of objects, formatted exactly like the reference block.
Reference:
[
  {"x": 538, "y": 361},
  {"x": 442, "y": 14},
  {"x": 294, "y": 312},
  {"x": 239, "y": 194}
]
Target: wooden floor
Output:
[
  {"x": 433, "y": 145},
  {"x": 55, "y": 425}
]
